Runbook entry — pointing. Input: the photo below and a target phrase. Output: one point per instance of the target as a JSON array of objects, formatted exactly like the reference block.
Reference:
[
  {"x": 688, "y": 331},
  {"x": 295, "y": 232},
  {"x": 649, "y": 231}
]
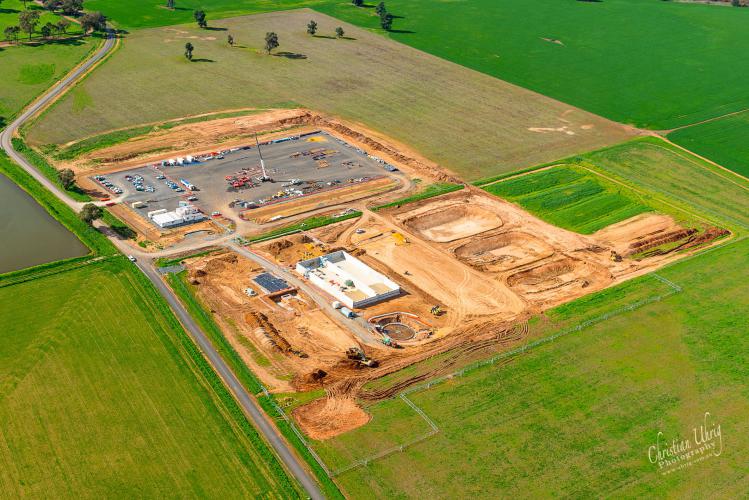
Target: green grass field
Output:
[
  {"x": 134, "y": 14},
  {"x": 653, "y": 64},
  {"x": 571, "y": 198},
  {"x": 29, "y": 70},
  {"x": 575, "y": 417},
  {"x": 10, "y": 9},
  {"x": 724, "y": 141},
  {"x": 481, "y": 126},
  {"x": 100, "y": 398},
  {"x": 671, "y": 179}
]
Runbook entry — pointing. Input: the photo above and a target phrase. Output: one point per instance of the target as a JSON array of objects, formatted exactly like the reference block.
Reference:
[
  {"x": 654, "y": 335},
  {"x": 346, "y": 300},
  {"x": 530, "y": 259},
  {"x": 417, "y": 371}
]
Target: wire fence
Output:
[{"x": 673, "y": 289}]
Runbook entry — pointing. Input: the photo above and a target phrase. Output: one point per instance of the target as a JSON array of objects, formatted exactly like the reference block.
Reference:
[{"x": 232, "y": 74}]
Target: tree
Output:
[
  {"x": 736, "y": 3},
  {"x": 199, "y": 16},
  {"x": 339, "y": 32},
  {"x": 271, "y": 41},
  {"x": 47, "y": 30},
  {"x": 11, "y": 33},
  {"x": 27, "y": 20},
  {"x": 188, "y": 51},
  {"x": 90, "y": 212},
  {"x": 312, "y": 28},
  {"x": 380, "y": 9},
  {"x": 67, "y": 178},
  {"x": 71, "y": 7},
  {"x": 62, "y": 25},
  {"x": 357, "y": 3},
  {"x": 170, "y": 4},
  {"x": 230, "y": 40},
  {"x": 93, "y": 21},
  {"x": 386, "y": 20},
  {"x": 51, "y": 4}
]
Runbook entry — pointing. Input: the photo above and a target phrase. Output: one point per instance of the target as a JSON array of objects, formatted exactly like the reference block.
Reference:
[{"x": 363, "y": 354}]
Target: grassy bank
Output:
[
  {"x": 429, "y": 191},
  {"x": 303, "y": 225}
]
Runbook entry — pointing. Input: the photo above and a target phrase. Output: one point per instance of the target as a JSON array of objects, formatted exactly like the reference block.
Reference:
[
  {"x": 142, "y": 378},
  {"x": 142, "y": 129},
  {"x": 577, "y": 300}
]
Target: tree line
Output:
[{"x": 28, "y": 20}]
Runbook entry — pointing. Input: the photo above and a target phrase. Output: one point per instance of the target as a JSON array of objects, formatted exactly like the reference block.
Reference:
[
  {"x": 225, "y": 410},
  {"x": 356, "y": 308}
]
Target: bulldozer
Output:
[
  {"x": 357, "y": 354},
  {"x": 615, "y": 257}
]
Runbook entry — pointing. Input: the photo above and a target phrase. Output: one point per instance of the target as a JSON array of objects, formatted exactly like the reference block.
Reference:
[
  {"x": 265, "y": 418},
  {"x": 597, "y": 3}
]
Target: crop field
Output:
[
  {"x": 133, "y": 14},
  {"x": 96, "y": 406},
  {"x": 691, "y": 184},
  {"x": 566, "y": 420},
  {"x": 599, "y": 56},
  {"x": 570, "y": 198},
  {"x": 482, "y": 126},
  {"x": 724, "y": 141},
  {"x": 29, "y": 70}
]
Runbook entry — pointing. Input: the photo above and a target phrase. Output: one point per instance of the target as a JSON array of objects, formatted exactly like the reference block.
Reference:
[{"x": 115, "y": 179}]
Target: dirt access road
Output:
[{"x": 251, "y": 408}]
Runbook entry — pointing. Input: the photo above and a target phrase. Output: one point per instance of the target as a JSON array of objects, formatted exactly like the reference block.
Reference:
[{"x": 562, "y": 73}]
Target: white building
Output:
[
  {"x": 185, "y": 214},
  {"x": 348, "y": 279}
]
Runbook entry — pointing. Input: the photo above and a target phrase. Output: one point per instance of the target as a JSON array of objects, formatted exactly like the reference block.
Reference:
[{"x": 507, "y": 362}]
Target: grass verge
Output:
[
  {"x": 429, "y": 191},
  {"x": 184, "y": 291},
  {"x": 303, "y": 225}
]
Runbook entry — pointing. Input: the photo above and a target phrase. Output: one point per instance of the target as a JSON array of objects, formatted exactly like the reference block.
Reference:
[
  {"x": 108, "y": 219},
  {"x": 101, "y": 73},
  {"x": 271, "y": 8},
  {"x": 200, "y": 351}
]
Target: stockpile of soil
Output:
[{"x": 328, "y": 417}]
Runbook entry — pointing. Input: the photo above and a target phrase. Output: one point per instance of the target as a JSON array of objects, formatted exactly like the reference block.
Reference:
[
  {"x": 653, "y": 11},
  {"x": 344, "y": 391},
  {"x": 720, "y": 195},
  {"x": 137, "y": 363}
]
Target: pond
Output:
[{"x": 29, "y": 236}]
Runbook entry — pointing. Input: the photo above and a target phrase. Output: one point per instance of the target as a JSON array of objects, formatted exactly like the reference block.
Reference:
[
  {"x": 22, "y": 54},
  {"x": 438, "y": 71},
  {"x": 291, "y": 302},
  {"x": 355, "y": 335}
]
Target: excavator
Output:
[
  {"x": 357, "y": 354},
  {"x": 437, "y": 310}
]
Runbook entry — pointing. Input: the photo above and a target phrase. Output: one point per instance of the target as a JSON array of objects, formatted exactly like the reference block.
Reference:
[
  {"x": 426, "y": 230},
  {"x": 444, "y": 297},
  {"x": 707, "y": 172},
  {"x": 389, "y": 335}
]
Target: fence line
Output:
[{"x": 434, "y": 429}]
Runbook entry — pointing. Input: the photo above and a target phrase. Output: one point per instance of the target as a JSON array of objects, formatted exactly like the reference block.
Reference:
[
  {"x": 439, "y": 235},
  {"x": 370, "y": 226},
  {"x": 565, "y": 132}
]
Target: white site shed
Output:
[
  {"x": 184, "y": 214},
  {"x": 348, "y": 279}
]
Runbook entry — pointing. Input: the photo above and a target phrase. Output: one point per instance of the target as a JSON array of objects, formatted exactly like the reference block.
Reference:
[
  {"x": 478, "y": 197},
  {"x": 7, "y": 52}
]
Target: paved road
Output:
[
  {"x": 246, "y": 401},
  {"x": 357, "y": 326}
]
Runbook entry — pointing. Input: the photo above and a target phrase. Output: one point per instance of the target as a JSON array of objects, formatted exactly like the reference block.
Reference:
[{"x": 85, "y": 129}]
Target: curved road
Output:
[{"x": 251, "y": 408}]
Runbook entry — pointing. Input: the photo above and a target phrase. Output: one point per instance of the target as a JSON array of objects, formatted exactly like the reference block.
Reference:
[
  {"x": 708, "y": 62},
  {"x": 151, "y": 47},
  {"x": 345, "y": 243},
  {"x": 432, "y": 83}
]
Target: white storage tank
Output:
[{"x": 347, "y": 312}]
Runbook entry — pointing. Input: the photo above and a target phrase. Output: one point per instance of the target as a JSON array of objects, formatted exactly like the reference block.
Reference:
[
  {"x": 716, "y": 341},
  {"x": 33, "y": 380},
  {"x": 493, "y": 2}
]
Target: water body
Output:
[{"x": 29, "y": 236}]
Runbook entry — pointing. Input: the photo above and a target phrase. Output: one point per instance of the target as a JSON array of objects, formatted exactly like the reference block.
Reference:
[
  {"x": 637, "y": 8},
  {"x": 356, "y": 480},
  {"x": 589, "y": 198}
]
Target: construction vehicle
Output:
[
  {"x": 437, "y": 310},
  {"x": 357, "y": 354},
  {"x": 265, "y": 177},
  {"x": 389, "y": 342},
  {"x": 615, "y": 257}
]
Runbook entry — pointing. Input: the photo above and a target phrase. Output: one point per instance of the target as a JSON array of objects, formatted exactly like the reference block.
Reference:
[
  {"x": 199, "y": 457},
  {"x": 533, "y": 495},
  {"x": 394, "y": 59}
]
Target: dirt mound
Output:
[
  {"x": 659, "y": 239},
  {"x": 328, "y": 417},
  {"x": 277, "y": 246},
  {"x": 453, "y": 222},
  {"x": 504, "y": 251},
  {"x": 688, "y": 238},
  {"x": 266, "y": 331}
]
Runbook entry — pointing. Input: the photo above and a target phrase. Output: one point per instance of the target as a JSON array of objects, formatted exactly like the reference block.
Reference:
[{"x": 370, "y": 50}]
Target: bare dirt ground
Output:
[
  {"x": 204, "y": 137},
  {"x": 488, "y": 276}
]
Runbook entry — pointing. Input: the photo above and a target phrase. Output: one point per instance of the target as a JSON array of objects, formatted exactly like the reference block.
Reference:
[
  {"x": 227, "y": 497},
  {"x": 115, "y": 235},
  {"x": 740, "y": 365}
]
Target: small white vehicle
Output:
[{"x": 131, "y": 258}]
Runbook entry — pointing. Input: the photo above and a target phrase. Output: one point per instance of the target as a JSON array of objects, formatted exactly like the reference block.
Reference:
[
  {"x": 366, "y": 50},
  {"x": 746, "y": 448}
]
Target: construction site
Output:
[
  {"x": 470, "y": 270},
  {"x": 254, "y": 182},
  {"x": 335, "y": 307}
]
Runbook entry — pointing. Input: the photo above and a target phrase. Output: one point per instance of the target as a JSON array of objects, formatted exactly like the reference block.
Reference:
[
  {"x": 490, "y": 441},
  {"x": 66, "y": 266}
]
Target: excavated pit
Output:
[
  {"x": 558, "y": 280},
  {"x": 503, "y": 252},
  {"x": 453, "y": 222}
]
